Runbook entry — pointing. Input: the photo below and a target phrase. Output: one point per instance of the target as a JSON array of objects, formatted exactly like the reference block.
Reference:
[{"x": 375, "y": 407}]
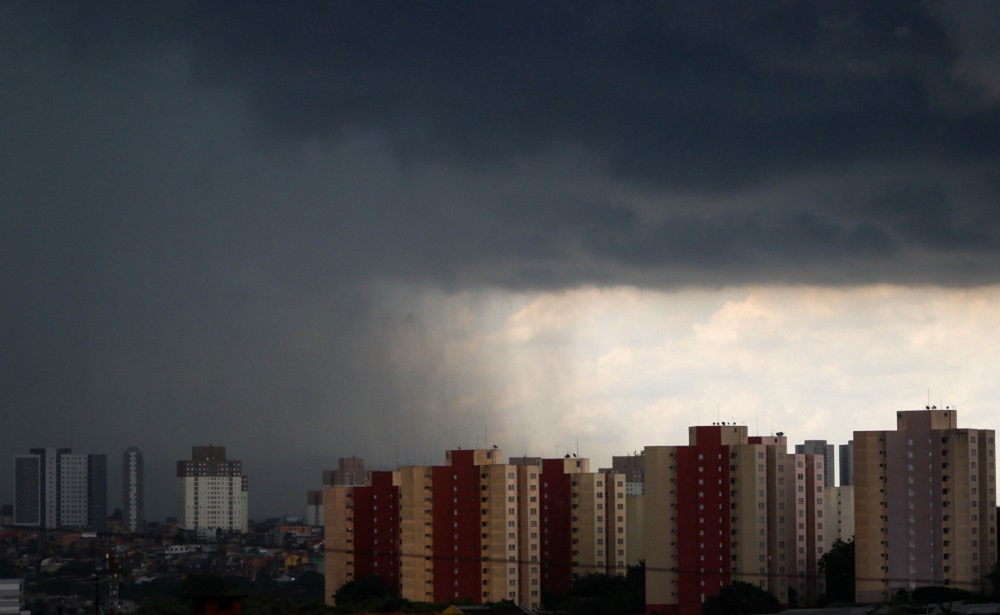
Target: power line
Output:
[{"x": 705, "y": 572}]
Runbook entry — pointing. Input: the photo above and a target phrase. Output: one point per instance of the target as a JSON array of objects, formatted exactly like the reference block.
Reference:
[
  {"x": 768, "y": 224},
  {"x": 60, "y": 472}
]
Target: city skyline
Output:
[
  {"x": 290, "y": 501},
  {"x": 326, "y": 230}
]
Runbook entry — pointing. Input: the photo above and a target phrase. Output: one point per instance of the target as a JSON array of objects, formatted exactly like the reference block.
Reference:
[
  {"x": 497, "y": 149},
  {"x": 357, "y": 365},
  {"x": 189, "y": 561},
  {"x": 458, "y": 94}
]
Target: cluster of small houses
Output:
[{"x": 281, "y": 549}]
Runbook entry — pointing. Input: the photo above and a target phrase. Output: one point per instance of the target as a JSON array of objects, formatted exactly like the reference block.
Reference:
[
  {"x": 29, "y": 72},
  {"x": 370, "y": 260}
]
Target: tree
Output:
[
  {"x": 594, "y": 594},
  {"x": 935, "y": 594},
  {"x": 366, "y": 589},
  {"x": 994, "y": 578},
  {"x": 597, "y": 593},
  {"x": 203, "y": 585},
  {"x": 163, "y": 606},
  {"x": 308, "y": 585},
  {"x": 635, "y": 588},
  {"x": 742, "y": 599},
  {"x": 837, "y": 565}
]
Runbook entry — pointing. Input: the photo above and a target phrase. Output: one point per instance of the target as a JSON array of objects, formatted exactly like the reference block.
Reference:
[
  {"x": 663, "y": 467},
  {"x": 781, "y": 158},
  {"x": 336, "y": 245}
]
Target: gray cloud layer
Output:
[{"x": 198, "y": 197}]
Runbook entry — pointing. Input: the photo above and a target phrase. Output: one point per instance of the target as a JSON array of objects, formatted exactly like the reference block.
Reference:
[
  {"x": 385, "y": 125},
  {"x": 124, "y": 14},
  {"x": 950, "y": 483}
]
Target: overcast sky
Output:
[{"x": 307, "y": 231}]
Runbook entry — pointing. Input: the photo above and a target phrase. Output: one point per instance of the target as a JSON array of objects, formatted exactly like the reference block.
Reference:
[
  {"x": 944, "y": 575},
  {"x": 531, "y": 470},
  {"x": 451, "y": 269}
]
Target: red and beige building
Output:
[
  {"x": 361, "y": 530},
  {"x": 582, "y": 521},
  {"x": 924, "y": 505},
  {"x": 465, "y": 530},
  {"x": 477, "y": 528},
  {"x": 728, "y": 507}
]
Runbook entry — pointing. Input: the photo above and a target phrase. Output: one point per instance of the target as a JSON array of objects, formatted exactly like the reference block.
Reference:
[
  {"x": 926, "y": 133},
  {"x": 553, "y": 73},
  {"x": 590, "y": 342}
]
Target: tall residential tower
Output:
[
  {"x": 924, "y": 505},
  {"x": 828, "y": 451},
  {"x": 133, "y": 490},
  {"x": 212, "y": 491},
  {"x": 728, "y": 507},
  {"x": 54, "y": 488},
  {"x": 477, "y": 529}
]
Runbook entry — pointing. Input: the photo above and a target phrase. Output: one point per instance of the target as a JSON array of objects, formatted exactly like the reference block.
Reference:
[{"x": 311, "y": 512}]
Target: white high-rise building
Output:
[
  {"x": 73, "y": 491},
  {"x": 212, "y": 491},
  {"x": 133, "y": 490}
]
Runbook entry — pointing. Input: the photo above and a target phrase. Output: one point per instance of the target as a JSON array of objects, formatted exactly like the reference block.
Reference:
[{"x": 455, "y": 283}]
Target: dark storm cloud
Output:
[
  {"x": 722, "y": 93},
  {"x": 197, "y": 198},
  {"x": 716, "y": 98}
]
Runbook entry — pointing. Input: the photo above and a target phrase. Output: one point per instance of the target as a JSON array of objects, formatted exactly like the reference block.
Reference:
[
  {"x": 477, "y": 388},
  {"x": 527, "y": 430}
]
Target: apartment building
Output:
[
  {"x": 212, "y": 491},
  {"x": 466, "y": 530},
  {"x": 133, "y": 490},
  {"x": 350, "y": 471},
  {"x": 924, "y": 505},
  {"x": 728, "y": 507},
  {"x": 583, "y": 521},
  {"x": 634, "y": 468},
  {"x": 55, "y": 488},
  {"x": 463, "y": 530},
  {"x": 839, "y": 514},
  {"x": 847, "y": 464},
  {"x": 828, "y": 452},
  {"x": 361, "y": 531}
]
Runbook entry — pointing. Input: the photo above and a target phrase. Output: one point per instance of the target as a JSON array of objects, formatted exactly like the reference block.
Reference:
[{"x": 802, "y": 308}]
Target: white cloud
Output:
[{"x": 620, "y": 369}]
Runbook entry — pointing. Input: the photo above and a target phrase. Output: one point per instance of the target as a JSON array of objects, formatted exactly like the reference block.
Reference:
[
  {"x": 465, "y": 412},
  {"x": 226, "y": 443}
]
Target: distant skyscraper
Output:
[
  {"x": 51, "y": 473},
  {"x": 97, "y": 492},
  {"x": 828, "y": 451},
  {"x": 133, "y": 496},
  {"x": 28, "y": 490},
  {"x": 847, "y": 464},
  {"x": 212, "y": 491},
  {"x": 83, "y": 492},
  {"x": 314, "y": 508},
  {"x": 55, "y": 488},
  {"x": 634, "y": 469},
  {"x": 350, "y": 471}
]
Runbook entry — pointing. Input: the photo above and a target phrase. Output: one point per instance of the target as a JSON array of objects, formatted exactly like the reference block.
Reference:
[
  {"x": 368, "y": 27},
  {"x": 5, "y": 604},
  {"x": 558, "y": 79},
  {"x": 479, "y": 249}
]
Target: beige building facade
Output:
[
  {"x": 839, "y": 513},
  {"x": 924, "y": 505}
]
